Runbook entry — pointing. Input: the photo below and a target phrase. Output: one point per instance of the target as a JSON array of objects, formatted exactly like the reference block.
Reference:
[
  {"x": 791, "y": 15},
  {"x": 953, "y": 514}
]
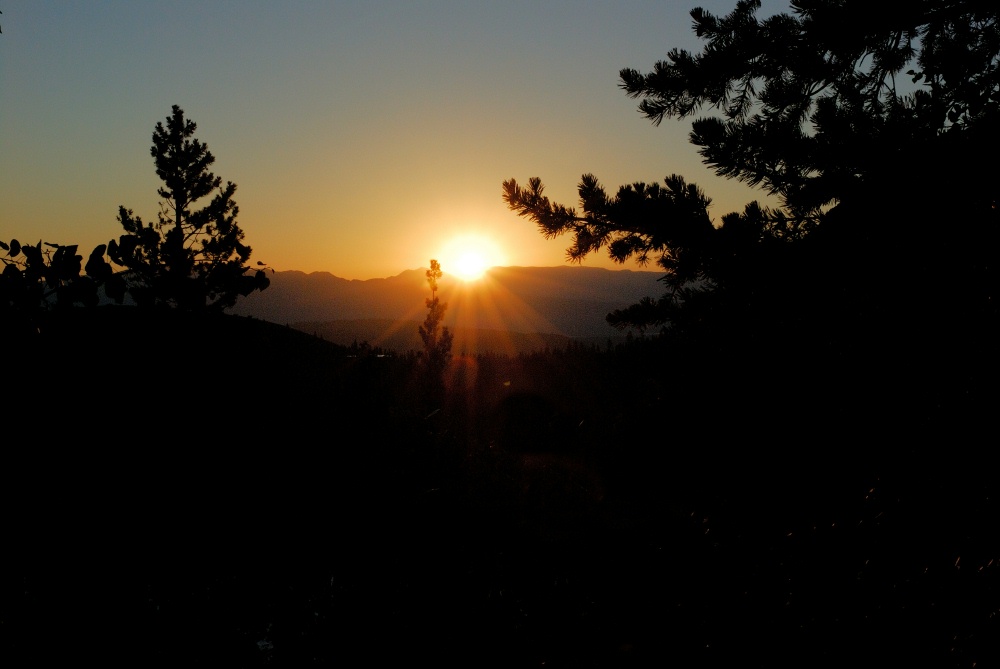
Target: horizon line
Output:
[{"x": 454, "y": 276}]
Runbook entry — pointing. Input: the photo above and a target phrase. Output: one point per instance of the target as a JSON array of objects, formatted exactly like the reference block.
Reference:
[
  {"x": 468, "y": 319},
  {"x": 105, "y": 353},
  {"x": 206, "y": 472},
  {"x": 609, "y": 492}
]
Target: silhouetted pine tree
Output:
[
  {"x": 436, "y": 337},
  {"x": 192, "y": 258}
]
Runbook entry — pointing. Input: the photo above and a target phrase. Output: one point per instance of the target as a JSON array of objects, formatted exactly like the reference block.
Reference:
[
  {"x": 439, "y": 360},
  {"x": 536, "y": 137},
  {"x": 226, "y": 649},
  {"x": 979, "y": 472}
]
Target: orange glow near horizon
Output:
[{"x": 487, "y": 307}]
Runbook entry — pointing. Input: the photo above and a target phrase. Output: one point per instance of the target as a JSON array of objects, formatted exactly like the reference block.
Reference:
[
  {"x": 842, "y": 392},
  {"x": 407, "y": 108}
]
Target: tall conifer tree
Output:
[{"x": 193, "y": 257}]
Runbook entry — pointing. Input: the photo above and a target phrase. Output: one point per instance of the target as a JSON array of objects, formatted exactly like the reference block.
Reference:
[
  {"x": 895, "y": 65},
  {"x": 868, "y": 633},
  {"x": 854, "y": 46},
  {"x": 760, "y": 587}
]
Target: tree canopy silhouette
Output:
[
  {"x": 193, "y": 257},
  {"x": 814, "y": 104},
  {"x": 867, "y": 123}
]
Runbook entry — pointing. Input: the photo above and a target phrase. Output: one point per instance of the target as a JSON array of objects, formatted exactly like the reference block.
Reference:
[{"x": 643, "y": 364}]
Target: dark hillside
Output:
[
  {"x": 226, "y": 491},
  {"x": 402, "y": 336}
]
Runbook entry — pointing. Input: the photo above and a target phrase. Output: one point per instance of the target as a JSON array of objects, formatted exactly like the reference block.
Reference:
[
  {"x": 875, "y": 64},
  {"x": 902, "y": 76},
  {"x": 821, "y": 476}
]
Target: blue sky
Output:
[{"x": 364, "y": 137}]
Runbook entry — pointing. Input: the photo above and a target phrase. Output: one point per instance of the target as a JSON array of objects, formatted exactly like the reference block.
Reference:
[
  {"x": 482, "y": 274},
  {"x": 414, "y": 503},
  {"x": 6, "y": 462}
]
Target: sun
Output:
[
  {"x": 469, "y": 266},
  {"x": 469, "y": 256}
]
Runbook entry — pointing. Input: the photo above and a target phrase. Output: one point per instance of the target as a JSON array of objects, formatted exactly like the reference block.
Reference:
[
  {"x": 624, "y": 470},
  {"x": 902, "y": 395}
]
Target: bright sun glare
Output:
[
  {"x": 470, "y": 265},
  {"x": 469, "y": 256}
]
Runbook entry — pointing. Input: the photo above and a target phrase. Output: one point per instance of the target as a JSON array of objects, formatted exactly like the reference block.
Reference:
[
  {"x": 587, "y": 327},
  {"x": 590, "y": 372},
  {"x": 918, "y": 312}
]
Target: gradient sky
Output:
[{"x": 364, "y": 137}]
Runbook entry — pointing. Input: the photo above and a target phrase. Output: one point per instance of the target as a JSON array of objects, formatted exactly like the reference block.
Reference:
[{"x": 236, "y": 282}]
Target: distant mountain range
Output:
[{"x": 510, "y": 309}]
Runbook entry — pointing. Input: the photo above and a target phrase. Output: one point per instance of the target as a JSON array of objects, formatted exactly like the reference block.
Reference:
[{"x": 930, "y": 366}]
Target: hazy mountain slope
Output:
[
  {"x": 570, "y": 301},
  {"x": 402, "y": 336}
]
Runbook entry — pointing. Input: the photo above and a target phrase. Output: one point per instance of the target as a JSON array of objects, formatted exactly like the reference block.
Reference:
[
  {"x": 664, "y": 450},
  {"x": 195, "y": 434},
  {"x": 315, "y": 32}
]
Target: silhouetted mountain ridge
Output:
[{"x": 568, "y": 301}]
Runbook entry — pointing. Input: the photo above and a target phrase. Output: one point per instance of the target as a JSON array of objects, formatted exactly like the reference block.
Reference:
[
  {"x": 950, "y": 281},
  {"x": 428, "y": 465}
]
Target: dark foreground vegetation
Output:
[{"x": 209, "y": 490}]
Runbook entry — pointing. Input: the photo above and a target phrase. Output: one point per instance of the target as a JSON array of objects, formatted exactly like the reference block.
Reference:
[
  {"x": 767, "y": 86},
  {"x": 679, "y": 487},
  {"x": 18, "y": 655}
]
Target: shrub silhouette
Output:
[{"x": 42, "y": 278}]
